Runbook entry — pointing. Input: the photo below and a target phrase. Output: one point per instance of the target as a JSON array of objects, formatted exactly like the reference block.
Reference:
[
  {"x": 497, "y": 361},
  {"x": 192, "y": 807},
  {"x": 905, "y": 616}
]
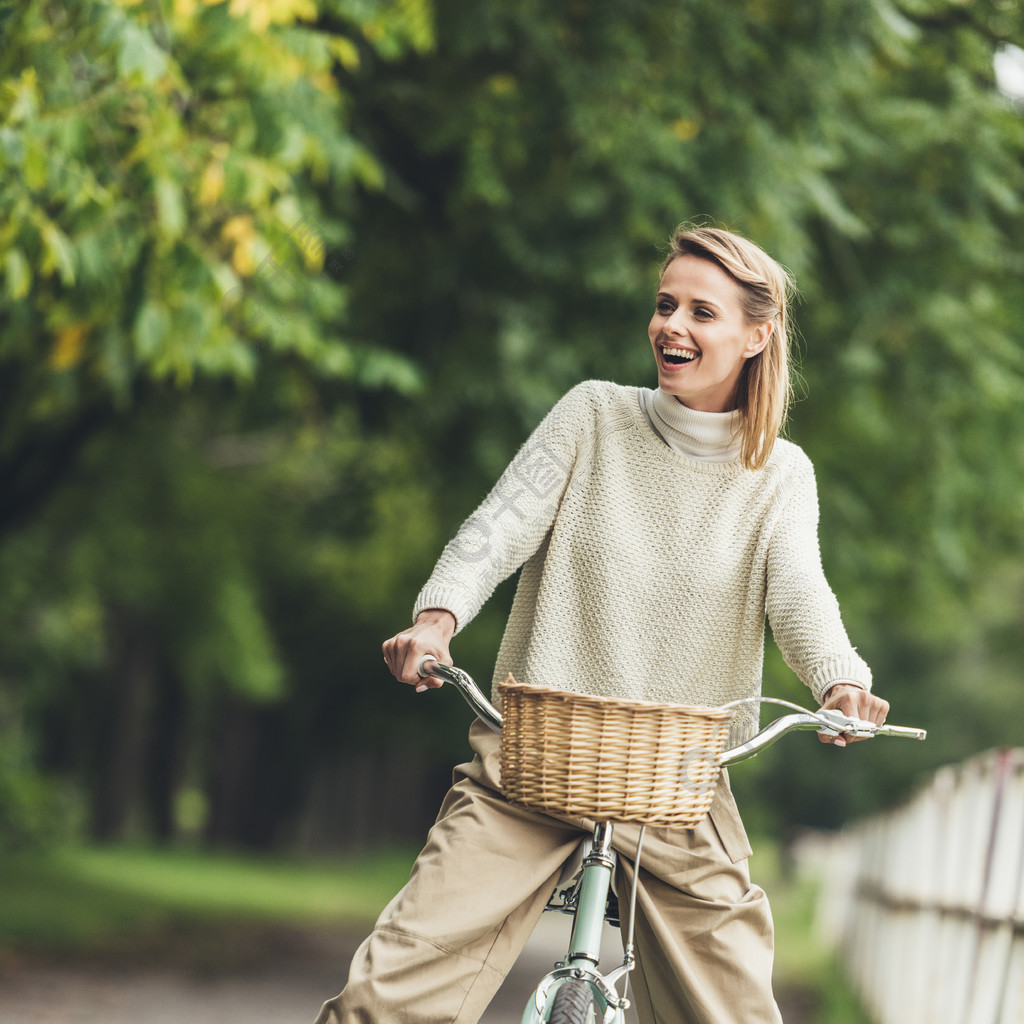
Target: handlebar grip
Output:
[{"x": 901, "y": 732}]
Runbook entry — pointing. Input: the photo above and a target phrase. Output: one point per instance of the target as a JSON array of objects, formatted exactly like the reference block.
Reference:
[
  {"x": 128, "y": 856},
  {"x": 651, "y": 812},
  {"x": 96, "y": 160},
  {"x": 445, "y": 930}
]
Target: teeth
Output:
[{"x": 679, "y": 353}]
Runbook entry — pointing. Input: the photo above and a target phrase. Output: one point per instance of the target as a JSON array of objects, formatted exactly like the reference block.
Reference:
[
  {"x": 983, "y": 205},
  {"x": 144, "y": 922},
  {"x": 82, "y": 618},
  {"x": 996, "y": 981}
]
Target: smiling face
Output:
[{"x": 700, "y": 334}]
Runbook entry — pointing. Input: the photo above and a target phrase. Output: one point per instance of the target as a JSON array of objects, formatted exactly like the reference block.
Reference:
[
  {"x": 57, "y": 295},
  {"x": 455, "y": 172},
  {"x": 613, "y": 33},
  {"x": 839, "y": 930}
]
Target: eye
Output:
[
  {"x": 664, "y": 307},
  {"x": 703, "y": 313}
]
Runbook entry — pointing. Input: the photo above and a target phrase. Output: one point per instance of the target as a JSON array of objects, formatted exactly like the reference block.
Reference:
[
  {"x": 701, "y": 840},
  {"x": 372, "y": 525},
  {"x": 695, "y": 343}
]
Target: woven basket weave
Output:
[{"x": 608, "y": 759}]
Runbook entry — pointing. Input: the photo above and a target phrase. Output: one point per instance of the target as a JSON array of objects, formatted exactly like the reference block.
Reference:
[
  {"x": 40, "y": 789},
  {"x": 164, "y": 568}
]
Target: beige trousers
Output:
[{"x": 444, "y": 944}]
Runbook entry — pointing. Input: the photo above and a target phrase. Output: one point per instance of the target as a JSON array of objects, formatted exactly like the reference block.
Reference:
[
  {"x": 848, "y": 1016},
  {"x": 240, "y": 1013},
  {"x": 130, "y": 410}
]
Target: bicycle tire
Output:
[{"x": 574, "y": 1004}]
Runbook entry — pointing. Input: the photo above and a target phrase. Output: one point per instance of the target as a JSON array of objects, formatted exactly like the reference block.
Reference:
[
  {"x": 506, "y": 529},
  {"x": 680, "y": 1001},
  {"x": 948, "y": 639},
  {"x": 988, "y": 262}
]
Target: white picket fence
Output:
[{"x": 925, "y": 905}]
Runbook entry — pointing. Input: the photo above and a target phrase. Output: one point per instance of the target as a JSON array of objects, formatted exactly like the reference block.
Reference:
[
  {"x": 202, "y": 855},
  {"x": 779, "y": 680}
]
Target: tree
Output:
[
  {"x": 160, "y": 172},
  {"x": 158, "y": 190}
]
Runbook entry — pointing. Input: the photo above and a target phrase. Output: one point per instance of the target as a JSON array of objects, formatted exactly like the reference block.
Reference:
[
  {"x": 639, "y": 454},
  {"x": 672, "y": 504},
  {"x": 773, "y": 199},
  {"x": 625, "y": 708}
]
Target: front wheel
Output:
[{"x": 574, "y": 1004}]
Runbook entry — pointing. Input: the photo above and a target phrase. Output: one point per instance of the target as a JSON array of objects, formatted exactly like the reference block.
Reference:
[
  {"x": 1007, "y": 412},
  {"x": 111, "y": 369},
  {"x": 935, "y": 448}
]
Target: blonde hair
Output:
[{"x": 764, "y": 391}]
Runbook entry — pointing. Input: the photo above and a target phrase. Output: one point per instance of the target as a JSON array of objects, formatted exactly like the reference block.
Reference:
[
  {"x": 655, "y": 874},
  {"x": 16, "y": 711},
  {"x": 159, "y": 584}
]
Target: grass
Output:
[
  {"x": 803, "y": 963},
  {"x": 94, "y": 898}
]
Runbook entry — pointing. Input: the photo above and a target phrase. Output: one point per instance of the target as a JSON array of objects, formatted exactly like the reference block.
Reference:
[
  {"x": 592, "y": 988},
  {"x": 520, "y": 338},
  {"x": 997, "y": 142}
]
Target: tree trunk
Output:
[
  {"x": 166, "y": 752},
  {"x": 124, "y": 731}
]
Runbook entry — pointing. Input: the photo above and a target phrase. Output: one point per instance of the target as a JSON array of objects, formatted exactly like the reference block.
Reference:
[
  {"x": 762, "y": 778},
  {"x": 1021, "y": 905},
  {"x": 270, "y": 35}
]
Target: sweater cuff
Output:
[
  {"x": 845, "y": 668},
  {"x": 445, "y": 599}
]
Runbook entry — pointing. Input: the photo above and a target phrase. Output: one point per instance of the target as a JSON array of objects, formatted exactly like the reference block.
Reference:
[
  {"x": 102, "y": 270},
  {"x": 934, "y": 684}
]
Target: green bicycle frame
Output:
[{"x": 585, "y": 943}]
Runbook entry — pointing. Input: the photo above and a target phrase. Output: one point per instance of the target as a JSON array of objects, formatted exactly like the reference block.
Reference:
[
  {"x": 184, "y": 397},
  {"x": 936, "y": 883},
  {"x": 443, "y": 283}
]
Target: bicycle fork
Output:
[{"x": 584, "y": 952}]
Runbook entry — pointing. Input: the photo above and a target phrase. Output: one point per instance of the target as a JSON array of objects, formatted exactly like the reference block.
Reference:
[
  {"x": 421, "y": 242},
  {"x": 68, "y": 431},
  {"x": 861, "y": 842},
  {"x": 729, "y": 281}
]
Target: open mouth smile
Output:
[{"x": 675, "y": 356}]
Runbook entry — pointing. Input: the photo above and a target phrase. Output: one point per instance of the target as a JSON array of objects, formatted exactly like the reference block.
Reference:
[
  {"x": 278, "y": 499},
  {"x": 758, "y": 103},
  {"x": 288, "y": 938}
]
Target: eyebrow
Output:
[{"x": 694, "y": 302}]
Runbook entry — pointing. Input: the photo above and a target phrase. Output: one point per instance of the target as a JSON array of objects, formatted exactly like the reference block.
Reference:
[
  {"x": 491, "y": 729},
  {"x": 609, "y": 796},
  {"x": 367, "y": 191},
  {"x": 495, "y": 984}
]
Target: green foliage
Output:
[
  {"x": 158, "y": 180},
  {"x": 287, "y": 281},
  {"x": 35, "y": 810},
  {"x": 161, "y": 173}
]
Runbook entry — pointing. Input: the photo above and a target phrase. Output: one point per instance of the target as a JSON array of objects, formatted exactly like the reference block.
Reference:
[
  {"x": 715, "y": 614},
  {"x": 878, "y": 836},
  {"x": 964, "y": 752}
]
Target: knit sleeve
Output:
[
  {"x": 512, "y": 521},
  {"x": 802, "y": 610}
]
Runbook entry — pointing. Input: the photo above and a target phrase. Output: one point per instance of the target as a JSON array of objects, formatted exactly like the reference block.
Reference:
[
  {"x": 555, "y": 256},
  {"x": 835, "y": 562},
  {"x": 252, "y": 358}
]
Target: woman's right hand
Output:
[{"x": 429, "y": 635}]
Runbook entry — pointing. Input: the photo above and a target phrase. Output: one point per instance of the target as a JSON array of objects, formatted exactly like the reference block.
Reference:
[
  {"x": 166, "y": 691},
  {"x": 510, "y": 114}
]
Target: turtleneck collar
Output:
[{"x": 706, "y": 436}]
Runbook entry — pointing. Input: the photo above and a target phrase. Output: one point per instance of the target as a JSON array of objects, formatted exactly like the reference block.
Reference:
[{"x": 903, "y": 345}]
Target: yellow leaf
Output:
[
  {"x": 419, "y": 23},
  {"x": 211, "y": 185},
  {"x": 22, "y": 98},
  {"x": 241, "y": 231},
  {"x": 67, "y": 349},
  {"x": 310, "y": 244},
  {"x": 264, "y": 13},
  {"x": 684, "y": 129},
  {"x": 240, "y": 226},
  {"x": 346, "y": 52}
]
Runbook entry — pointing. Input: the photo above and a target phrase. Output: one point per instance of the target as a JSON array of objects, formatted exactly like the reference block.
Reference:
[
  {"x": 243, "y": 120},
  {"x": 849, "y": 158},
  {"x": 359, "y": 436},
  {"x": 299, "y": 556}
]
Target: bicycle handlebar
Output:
[
  {"x": 829, "y": 723},
  {"x": 463, "y": 681}
]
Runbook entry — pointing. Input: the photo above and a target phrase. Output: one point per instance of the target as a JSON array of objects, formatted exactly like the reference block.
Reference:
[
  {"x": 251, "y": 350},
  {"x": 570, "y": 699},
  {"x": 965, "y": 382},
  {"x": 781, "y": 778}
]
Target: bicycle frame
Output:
[
  {"x": 581, "y": 960},
  {"x": 584, "y": 952}
]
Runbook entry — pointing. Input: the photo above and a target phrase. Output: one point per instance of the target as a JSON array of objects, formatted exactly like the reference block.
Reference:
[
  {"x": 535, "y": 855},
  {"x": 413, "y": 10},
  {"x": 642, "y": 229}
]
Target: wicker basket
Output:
[{"x": 608, "y": 759}]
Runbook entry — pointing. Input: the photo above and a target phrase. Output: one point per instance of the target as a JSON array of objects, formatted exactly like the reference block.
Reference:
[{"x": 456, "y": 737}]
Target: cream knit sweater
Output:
[{"x": 647, "y": 572}]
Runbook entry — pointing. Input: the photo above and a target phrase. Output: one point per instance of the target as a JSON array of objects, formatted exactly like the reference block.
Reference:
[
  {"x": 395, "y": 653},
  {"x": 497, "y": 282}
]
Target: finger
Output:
[
  {"x": 398, "y": 659},
  {"x": 871, "y": 709},
  {"x": 881, "y": 712},
  {"x": 838, "y": 741},
  {"x": 403, "y": 660},
  {"x": 849, "y": 704},
  {"x": 408, "y": 659}
]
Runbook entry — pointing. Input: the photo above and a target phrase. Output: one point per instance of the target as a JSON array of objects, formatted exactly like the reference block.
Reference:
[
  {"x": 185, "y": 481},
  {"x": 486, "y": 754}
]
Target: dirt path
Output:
[
  {"x": 278, "y": 977},
  {"x": 299, "y": 972},
  {"x": 237, "y": 978}
]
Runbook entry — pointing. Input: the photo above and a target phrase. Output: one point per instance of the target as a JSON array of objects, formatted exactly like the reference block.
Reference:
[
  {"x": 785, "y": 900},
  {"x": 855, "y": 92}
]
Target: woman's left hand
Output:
[{"x": 856, "y": 703}]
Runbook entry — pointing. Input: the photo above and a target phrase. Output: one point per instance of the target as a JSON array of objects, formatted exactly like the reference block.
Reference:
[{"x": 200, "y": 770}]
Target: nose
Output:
[{"x": 676, "y": 323}]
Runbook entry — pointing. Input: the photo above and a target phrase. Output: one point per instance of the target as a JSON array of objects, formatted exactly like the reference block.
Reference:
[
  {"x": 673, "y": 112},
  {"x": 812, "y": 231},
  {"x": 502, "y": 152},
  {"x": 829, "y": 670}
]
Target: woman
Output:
[{"x": 655, "y": 529}]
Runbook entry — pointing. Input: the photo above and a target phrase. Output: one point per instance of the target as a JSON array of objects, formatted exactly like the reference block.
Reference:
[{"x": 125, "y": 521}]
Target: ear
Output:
[{"x": 759, "y": 337}]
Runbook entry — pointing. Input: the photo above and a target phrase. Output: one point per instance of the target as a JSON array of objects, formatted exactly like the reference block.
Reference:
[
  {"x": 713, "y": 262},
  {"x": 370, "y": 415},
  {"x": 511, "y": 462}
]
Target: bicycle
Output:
[{"x": 575, "y": 992}]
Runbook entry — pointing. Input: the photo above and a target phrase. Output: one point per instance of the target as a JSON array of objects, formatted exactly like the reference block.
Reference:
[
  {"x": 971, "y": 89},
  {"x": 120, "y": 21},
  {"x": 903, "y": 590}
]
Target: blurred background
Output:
[{"x": 286, "y": 282}]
